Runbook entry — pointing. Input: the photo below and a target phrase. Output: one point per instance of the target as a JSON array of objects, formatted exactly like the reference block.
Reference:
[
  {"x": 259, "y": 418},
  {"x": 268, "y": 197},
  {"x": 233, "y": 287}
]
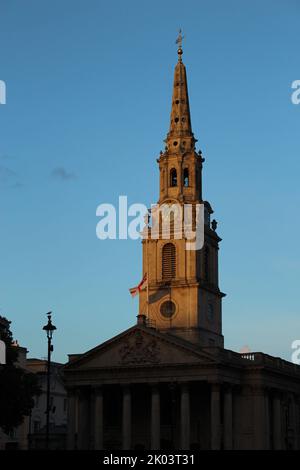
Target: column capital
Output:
[
  {"x": 126, "y": 387},
  {"x": 83, "y": 391},
  {"x": 153, "y": 384},
  {"x": 72, "y": 390},
  {"x": 228, "y": 387},
  {"x": 276, "y": 393},
  {"x": 258, "y": 389},
  {"x": 215, "y": 386},
  {"x": 184, "y": 386}
]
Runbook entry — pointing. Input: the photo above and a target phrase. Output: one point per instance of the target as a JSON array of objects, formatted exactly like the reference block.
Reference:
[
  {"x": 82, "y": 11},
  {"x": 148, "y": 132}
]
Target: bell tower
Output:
[{"x": 183, "y": 296}]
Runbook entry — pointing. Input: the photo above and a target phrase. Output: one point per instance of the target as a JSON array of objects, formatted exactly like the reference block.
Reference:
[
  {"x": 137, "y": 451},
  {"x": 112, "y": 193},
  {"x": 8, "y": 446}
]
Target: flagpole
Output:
[{"x": 147, "y": 244}]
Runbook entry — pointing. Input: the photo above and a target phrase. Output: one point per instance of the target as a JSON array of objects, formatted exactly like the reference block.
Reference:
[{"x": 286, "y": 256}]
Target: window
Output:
[
  {"x": 168, "y": 261},
  {"x": 65, "y": 404},
  {"x": 186, "y": 177},
  {"x": 36, "y": 426},
  {"x": 173, "y": 178},
  {"x": 12, "y": 433},
  {"x": 168, "y": 309}
]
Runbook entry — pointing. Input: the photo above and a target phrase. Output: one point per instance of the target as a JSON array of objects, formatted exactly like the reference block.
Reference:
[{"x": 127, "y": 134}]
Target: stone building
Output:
[
  {"x": 31, "y": 434},
  {"x": 17, "y": 438},
  {"x": 58, "y": 407},
  {"x": 167, "y": 382}
]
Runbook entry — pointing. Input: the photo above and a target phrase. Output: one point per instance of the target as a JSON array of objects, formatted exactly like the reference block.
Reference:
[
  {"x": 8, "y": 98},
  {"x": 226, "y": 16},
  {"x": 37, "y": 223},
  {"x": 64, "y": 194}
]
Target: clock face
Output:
[{"x": 210, "y": 311}]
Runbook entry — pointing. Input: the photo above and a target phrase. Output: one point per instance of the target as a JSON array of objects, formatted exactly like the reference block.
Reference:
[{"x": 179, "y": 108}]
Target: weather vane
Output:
[
  {"x": 179, "y": 39},
  {"x": 179, "y": 42}
]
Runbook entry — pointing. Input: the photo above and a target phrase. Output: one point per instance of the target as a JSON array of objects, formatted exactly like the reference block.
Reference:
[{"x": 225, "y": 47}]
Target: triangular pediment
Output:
[{"x": 140, "y": 346}]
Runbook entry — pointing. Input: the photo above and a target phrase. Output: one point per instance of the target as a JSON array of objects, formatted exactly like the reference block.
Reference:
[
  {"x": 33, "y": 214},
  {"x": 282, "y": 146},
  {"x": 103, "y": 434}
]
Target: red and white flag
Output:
[{"x": 141, "y": 286}]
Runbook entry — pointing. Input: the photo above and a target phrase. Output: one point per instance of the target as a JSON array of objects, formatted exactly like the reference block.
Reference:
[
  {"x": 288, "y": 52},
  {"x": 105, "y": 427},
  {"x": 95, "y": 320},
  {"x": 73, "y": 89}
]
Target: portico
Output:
[{"x": 218, "y": 399}]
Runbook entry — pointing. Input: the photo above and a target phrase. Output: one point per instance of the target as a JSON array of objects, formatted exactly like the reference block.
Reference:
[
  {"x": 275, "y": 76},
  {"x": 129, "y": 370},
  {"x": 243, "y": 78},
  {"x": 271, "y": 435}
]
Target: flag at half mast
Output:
[{"x": 141, "y": 286}]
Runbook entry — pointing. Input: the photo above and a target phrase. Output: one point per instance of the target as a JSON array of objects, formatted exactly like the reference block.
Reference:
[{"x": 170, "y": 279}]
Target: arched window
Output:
[
  {"x": 173, "y": 178},
  {"x": 168, "y": 261},
  {"x": 186, "y": 177},
  {"x": 206, "y": 263}
]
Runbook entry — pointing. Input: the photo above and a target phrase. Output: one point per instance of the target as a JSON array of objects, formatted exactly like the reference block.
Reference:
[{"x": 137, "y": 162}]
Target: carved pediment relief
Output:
[{"x": 139, "y": 347}]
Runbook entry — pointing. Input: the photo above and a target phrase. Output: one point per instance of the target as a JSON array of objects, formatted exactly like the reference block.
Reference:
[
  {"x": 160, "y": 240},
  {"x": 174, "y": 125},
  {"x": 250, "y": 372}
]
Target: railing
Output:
[
  {"x": 248, "y": 356},
  {"x": 259, "y": 359},
  {"x": 150, "y": 323},
  {"x": 270, "y": 361}
]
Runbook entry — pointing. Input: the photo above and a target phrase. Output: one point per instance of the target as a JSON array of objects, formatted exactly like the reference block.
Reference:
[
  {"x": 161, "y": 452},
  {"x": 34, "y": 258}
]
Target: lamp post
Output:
[{"x": 49, "y": 328}]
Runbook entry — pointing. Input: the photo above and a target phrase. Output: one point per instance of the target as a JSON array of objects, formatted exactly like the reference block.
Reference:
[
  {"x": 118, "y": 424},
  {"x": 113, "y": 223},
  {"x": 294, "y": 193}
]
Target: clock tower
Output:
[{"x": 183, "y": 296}]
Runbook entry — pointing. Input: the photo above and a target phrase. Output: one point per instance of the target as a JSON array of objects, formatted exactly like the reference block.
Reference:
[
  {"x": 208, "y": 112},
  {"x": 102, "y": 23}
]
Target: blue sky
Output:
[{"x": 89, "y": 88}]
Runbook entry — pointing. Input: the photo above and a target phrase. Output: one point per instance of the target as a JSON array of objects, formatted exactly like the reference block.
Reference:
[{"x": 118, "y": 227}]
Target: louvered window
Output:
[
  {"x": 169, "y": 261},
  {"x": 186, "y": 177},
  {"x": 173, "y": 178}
]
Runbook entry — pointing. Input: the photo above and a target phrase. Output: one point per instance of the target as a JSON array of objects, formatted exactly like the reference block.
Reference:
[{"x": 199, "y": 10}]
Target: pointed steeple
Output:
[{"x": 180, "y": 122}]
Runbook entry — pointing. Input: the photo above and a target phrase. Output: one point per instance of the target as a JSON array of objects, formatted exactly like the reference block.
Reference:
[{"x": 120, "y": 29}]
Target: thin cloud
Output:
[
  {"x": 9, "y": 178},
  {"x": 17, "y": 185},
  {"x": 62, "y": 174},
  {"x": 5, "y": 157},
  {"x": 6, "y": 174}
]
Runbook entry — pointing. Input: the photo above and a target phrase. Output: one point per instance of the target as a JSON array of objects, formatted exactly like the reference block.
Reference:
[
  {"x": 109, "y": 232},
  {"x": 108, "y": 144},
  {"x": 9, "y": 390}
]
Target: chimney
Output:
[{"x": 141, "y": 319}]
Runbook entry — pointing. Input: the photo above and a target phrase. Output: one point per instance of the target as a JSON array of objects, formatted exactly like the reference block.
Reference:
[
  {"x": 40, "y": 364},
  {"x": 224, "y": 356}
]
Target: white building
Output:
[
  {"x": 31, "y": 433},
  {"x": 58, "y": 406}
]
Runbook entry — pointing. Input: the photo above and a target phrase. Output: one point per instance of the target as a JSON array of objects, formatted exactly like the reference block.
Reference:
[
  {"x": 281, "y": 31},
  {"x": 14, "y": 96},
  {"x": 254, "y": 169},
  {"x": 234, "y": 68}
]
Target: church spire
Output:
[{"x": 180, "y": 125}]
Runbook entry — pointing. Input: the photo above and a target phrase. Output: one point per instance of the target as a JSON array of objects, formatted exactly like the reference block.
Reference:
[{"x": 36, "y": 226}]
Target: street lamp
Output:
[{"x": 49, "y": 328}]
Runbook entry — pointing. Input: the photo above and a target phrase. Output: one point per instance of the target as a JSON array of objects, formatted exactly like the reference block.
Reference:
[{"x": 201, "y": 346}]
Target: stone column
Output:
[
  {"x": 267, "y": 413},
  {"x": 83, "y": 420},
  {"x": 228, "y": 418},
  {"x": 215, "y": 416},
  {"x": 297, "y": 412},
  {"x": 98, "y": 418},
  {"x": 72, "y": 419},
  {"x": 155, "y": 418},
  {"x": 126, "y": 424},
  {"x": 259, "y": 419},
  {"x": 277, "y": 422},
  {"x": 166, "y": 179},
  {"x": 185, "y": 417},
  {"x": 179, "y": 176}
]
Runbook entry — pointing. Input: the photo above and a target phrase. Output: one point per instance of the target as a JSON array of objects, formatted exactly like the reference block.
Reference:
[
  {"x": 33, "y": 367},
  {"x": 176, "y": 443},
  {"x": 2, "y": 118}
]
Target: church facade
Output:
[{"x": 167, "y": 382}]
